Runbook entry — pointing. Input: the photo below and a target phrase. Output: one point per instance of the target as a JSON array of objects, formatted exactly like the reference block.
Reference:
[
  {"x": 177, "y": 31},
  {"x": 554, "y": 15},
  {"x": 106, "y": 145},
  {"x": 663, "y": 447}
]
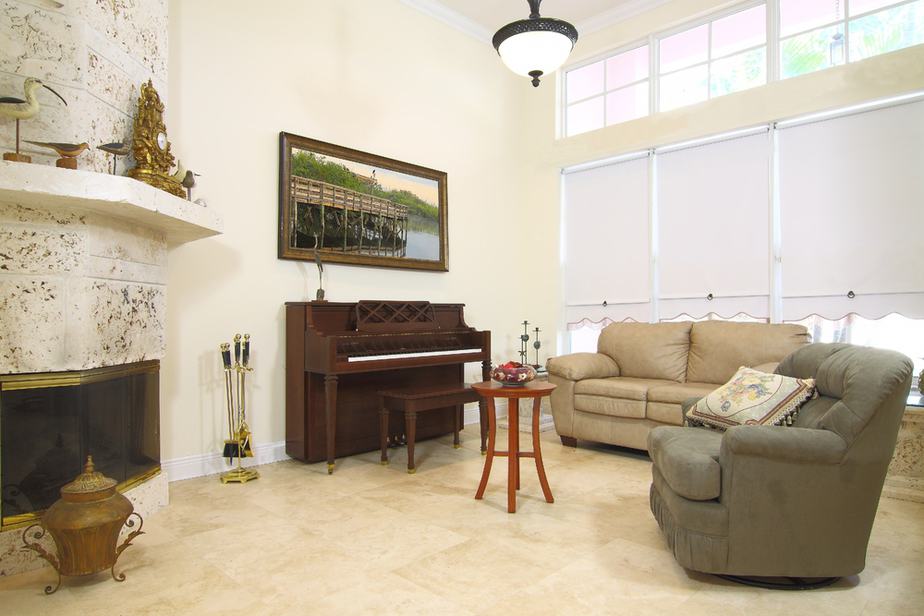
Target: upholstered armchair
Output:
[{"x": 778, "y": 501}]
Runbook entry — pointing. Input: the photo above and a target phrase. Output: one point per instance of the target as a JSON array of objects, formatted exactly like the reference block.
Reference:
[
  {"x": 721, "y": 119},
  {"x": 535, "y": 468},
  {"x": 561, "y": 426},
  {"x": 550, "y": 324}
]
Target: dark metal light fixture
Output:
[{"x": 536, "y": 46}]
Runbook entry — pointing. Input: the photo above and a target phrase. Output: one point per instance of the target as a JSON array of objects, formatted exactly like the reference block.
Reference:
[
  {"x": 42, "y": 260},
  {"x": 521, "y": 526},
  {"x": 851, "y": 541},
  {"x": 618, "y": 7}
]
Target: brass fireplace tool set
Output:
[{"x": 238, "y": 445}]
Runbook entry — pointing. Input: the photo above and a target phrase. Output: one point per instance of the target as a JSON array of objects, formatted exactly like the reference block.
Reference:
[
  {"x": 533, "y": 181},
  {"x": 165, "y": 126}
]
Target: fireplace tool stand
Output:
[{"x": 238, "y": 445}]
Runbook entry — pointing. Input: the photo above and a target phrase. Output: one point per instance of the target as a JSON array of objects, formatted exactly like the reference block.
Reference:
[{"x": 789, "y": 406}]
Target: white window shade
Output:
[
  {"x": 598, "y": 317},
  {"x": 606, "y": 241},
  {"x": 852, "y": 208},
  {"x": 714, "y": 238},
  {"x": 755, "y": 308}
]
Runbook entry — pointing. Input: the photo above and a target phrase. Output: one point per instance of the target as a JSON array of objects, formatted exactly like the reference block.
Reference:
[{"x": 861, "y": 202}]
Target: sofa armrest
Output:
[
  {"x": 783, "y": 443},
  {"x": 578, "y": 366}
]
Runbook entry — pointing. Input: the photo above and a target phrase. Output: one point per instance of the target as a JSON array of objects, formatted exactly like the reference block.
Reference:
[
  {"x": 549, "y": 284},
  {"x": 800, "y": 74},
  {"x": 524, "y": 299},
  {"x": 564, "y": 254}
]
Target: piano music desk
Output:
[{"x": 414, "y": 400}]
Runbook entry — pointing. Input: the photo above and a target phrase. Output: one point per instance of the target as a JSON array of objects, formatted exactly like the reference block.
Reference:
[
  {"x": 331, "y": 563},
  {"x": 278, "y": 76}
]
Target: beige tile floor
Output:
[{"x": 372, "y": 539}]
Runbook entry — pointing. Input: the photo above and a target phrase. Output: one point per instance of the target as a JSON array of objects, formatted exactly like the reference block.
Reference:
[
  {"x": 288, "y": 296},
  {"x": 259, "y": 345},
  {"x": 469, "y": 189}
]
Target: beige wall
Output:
[
  {"x": 375, "y": 76},
  {"x": 381, "y": 77},
  {"x": 887, "y": 75}
]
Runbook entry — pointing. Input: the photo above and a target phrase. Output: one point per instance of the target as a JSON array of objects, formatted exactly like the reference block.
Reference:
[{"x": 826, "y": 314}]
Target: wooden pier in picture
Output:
[{"x": 346, "y": 220}]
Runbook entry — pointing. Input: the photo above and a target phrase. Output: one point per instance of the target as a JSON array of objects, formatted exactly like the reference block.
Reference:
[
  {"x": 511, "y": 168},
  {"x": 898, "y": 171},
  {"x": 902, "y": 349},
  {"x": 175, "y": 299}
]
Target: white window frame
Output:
[
  {"x": 708, "y": 20},
  {"x": 844, "y": 21},
  {"x": 773, "y": 45},
  {"x": 598, "y": 58}
]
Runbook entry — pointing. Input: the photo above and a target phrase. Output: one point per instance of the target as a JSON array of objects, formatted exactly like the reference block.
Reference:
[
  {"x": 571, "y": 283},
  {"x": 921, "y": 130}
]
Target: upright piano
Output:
[{"x": 339, "y": 354}]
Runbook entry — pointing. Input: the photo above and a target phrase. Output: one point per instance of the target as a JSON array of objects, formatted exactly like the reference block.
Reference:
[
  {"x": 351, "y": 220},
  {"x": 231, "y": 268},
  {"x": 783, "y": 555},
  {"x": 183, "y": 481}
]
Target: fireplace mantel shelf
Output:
[{"x": 69, "y": 190}]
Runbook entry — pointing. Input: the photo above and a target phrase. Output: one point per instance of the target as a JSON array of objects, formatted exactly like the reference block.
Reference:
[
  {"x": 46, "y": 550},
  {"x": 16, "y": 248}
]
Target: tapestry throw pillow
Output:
[{"x": 752, "y": 398}]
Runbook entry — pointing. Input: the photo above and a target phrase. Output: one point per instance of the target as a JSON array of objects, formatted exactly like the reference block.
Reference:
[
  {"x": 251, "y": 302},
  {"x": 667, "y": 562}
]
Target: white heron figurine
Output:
[{"x": 20, "y": 109}]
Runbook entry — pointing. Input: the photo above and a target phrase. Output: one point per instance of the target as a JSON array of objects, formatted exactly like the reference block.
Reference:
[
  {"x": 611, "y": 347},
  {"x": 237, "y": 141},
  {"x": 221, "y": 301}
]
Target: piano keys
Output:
[{"x": 339, "y": 354}]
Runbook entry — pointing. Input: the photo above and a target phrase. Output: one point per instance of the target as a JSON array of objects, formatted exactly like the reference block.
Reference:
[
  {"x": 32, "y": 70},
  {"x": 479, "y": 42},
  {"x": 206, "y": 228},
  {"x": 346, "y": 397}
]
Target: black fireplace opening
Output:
[{"x": 50, "y": 422}]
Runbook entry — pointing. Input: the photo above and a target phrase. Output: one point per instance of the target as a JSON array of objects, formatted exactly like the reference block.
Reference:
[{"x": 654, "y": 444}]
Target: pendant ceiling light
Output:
[{"x": 536, "y": 46}]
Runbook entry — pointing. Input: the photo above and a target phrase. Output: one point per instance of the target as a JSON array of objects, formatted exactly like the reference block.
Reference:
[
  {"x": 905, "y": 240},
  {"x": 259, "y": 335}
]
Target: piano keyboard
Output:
[{"x": 414, "y": 355}]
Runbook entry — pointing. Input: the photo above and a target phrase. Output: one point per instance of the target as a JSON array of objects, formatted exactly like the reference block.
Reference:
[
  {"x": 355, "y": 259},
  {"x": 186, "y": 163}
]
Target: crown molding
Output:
[
  {"x": 621, "y": 12},
  {"x": 460, "y": 22}
]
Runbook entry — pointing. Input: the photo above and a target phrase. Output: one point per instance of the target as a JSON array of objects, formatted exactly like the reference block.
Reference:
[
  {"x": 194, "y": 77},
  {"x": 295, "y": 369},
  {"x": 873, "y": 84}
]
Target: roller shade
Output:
[
  {"x": 714, "y": 237},
  {"x": 852, "y": 208},
  {"x": 606, "y": 245}
]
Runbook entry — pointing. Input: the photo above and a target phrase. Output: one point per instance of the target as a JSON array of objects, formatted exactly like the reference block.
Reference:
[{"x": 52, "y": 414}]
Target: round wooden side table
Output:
[{"x": 536, "y": 390}]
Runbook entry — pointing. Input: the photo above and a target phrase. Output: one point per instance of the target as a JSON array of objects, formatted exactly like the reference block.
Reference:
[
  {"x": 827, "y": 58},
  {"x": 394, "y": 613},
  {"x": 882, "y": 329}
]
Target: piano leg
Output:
[
  {"x": 383, "y": 427},
  {"x": 330, "y": 416},
  {"x": 410, "y": 426},
  {"x": 456, "y": 426}
]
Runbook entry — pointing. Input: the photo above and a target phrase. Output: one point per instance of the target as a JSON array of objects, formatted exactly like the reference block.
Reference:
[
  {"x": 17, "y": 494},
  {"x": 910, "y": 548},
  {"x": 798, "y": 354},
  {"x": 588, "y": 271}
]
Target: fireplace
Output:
[{"x": 50, "y": 422}]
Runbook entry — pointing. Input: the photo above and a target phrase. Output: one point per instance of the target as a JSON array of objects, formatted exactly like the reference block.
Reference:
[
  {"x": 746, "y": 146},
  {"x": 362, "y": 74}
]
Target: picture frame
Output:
[{"x": 352, "y": 207}]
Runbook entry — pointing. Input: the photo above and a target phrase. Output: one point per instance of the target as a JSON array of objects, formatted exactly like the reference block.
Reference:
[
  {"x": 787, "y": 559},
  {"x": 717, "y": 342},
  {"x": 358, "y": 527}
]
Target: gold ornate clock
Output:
[{"x": 153, "y": 160}]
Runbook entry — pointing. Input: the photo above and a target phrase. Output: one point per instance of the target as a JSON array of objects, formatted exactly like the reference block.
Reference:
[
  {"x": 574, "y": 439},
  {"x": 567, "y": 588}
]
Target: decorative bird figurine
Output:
[
  {"x": 67, "y": 151},
  {"x": 186, "y": 178},
  {"x": 23, "y": 109},
  {"x": 189, "y": 180},
  {"x": 116, "y": 148}
]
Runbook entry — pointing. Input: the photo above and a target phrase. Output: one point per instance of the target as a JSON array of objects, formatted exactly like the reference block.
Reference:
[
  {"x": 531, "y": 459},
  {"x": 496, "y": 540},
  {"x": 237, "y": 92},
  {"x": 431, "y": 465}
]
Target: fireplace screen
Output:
[{"x": 50, "y": 422}]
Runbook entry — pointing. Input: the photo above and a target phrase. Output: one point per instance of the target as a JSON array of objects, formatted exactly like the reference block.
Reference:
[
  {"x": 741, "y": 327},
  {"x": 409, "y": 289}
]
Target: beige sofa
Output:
[{"x": 641, "y": 373}]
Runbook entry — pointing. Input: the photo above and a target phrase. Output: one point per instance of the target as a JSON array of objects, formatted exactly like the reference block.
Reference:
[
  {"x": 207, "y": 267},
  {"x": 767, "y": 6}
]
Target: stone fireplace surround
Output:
[{"x": 83, "y": 283}]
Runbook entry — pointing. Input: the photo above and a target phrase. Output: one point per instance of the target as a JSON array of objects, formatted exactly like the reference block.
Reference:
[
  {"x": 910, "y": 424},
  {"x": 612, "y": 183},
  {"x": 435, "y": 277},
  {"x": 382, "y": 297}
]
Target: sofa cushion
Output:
[
  {"x": 719, "y": 348},
  {"x": 678, "y": 392},
  {"x": 752, "y": 397},
  {"x": 688, "y": 459},
  {"x": 619, "y": 387},
  {"x": 614, "y": 407},
  {"x": 648, "y": 350},
  {"x": 664, "y": 400},
  {"x": 664, "y": 412}
]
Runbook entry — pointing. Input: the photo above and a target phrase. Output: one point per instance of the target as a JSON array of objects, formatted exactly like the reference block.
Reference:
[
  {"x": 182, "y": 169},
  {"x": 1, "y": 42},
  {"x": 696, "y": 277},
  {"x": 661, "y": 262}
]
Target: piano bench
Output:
[{"x": 414, "y": 400}]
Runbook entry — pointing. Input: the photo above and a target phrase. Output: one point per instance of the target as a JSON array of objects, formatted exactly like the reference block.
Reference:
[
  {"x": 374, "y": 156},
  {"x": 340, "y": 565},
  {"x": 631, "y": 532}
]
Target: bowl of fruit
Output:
[{"x": 513, "y": 374}]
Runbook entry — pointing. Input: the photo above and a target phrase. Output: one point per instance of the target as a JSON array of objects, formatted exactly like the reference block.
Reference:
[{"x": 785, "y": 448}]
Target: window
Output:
[
  {"x": 818, "y": 34},
  {"x": 732, "y": 53},
  {"x": 607, "y": 92},
  {"x": 720, "y": 57},
  {"x": 893, "y": 331}
]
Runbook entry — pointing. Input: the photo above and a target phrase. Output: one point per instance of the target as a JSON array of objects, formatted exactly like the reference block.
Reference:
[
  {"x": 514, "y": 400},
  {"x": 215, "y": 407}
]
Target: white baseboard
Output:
[
  {"x": 212, "y": 463},
  {"x": 264, "y": 453}
]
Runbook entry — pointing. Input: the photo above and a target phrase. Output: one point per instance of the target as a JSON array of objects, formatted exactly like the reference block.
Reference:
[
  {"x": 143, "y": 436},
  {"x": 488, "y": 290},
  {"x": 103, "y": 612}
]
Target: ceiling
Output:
[{"x": 481, "y": 18}]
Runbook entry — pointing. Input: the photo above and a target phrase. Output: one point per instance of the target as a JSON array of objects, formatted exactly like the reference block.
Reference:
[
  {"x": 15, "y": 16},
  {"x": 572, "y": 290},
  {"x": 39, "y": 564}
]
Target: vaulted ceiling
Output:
[{"x": 481, "y": 18}]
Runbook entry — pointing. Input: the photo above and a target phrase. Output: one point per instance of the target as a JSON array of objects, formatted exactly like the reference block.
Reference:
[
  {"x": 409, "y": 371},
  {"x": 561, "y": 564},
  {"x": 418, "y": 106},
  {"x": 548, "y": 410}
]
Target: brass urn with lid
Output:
[{"x": 85, "y": 524}]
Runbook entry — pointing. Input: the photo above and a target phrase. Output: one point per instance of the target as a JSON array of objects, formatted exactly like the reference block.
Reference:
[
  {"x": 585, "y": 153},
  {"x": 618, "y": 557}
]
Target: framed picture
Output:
[{"x": 358, "y": 208}]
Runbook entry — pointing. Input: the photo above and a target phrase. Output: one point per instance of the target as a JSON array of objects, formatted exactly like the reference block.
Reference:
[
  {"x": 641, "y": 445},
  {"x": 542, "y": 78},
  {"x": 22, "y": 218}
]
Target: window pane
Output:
[
  {"x": 627, "y": 67},
  {"x": 585, "y": 116},
  {"x": 684, "y": 49},
  {"x": 858, "y": 7},
  {"x": 801, "y": 15},
  {"x": 739, "y": 31},
  {"x": 584, "y": 340},
  {"x": 739, "y": 72},
  {"x": 684, "y": 88},
  {"x": 585, "y": 81},
  {"x": 895, "y": 28},
  {"x": 627, "y": 104},
  {"x": 893, "y": 331},
  {"x": 812, "y": 51}
]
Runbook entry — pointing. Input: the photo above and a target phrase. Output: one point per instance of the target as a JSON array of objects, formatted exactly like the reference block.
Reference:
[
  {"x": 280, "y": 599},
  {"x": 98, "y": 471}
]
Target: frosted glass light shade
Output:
[
  {"x": 536, "y": 46},
  {"x": 541, "y": 51}
]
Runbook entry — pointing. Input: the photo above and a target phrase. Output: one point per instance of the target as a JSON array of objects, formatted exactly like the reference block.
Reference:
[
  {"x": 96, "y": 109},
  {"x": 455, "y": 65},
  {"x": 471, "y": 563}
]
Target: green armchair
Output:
[{"x": 786, "y": 502}]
